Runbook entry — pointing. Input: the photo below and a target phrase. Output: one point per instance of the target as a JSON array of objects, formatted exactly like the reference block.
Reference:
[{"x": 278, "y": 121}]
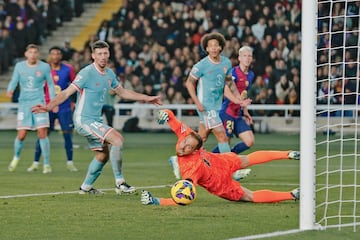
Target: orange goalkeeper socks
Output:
[
  {"x": 268, "y": 196},
  {"x": 259, "y": 157},
  {"x": 167, "y": 202}
]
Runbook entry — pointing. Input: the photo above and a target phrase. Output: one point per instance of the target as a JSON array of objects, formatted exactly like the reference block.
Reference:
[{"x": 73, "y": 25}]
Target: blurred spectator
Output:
[
  {"x": 282, "y": 89},
  {"x": 20, "y": 38},
  {"x": 256, "y": 88},
  {"x": 262, "y": 98},
  {"x": 68, "y": 50},
  {"x": 7, "y": 48},
  {"x": 259, "y": 28},
  {"x": 103, "y": 31},
  {"x": 292, "y": 99},
  {"x": 136, "y": 84},
  {"x": 165, "y": 34},
  {"x": 326, "y": 94}
]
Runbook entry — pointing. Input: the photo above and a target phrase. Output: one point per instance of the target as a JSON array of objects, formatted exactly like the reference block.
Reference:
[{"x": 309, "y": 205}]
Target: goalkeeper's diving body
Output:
[{"x": 213, "y": 171}]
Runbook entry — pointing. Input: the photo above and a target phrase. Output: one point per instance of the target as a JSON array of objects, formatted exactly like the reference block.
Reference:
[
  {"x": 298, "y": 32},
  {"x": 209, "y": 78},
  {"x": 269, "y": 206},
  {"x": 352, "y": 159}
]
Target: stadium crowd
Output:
[
  {"x": 338, "y": 82},
  {"x": 155, "y": 43},
  {"x": 31, "y": 21}
]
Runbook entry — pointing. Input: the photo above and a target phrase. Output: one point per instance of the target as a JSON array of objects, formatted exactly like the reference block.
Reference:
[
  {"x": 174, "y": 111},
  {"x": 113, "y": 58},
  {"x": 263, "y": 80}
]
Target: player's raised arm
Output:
[
  {"x": 178, "y": 127},
  {"x": 60, "y": 98},
  {"x": 148, "y": 199},
  {"x": 132, "y": 95}
]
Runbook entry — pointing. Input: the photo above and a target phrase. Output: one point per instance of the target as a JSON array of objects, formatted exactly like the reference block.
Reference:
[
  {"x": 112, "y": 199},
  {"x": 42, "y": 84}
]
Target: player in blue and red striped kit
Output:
[
  {"x": 62, "y": 74},
  {"x": 236, "y": 119}
]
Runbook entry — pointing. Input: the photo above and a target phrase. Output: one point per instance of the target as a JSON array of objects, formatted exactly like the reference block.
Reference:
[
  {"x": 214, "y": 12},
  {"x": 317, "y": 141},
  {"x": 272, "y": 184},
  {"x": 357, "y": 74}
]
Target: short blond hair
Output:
[{"x": 246, "y": 49}]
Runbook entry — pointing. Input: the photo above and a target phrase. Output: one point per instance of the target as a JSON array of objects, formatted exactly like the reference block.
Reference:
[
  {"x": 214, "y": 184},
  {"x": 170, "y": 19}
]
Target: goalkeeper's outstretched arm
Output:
[
  {"x": 176, "y": 125},
  {"x": 148, "y": 199}
]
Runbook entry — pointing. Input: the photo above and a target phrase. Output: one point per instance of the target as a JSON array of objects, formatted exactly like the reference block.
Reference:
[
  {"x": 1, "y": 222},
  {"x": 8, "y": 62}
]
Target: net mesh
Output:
[{"x": 337, "y": 149}]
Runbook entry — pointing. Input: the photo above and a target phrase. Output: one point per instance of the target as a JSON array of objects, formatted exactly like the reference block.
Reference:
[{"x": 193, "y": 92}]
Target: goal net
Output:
[{"x": 337, "y": 158}]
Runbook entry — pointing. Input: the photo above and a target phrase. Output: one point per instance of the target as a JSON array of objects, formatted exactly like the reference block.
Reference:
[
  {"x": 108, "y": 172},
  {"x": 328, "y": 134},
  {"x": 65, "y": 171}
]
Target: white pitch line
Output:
[
  {"x": 111, "y": 189},
  {"x": 70, "y": 192}
]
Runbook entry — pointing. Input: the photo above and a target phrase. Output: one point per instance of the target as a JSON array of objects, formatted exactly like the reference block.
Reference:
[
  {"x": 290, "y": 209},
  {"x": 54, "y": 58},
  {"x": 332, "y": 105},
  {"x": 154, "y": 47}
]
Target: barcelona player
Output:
[
  {"x": 31, "y": 74},
  {"x": 213, "y": 171},
  {"x": 236, "y": 119},
  {"x": 91, "y": 85},
  {"x": 62, "y": 74}
]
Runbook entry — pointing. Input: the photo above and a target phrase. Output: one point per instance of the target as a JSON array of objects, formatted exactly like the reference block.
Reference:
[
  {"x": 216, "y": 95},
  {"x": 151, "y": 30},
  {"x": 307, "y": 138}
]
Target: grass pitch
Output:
[{"x": 38, "y": 206}]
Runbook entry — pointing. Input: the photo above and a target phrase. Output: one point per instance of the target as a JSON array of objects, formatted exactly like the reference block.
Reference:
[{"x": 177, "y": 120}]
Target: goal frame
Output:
[{"x": 308, "y": 115}]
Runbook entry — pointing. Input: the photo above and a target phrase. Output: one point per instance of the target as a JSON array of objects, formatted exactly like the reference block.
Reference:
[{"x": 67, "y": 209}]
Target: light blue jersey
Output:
[
  {"x": 92, "y": 88},
  {"x": 211, "y": 81},
  {"x": 31, "y": 80}
]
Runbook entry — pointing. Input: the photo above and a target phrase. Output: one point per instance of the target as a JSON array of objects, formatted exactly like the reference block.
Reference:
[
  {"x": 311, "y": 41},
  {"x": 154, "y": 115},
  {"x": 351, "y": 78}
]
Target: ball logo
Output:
[
  {"x": 57, "y": 89},
  {"x": 56, "y": 78}
]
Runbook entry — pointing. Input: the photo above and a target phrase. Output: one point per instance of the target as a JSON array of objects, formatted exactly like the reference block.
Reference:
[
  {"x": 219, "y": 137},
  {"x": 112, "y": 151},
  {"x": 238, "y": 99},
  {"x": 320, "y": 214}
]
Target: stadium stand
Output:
[
  {"x": 155, "y": 43},
  {"x": 71, "y": 19}
]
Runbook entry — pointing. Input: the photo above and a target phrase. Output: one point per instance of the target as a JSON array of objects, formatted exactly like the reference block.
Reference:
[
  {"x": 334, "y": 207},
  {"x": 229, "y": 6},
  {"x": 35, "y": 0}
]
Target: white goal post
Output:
[
  {"x": 330, "y": 76},
  {"x": 308, "y": 115}
]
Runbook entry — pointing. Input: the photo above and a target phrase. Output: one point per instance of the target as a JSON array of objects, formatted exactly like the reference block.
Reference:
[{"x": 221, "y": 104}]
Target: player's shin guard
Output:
[
  {"x": 93, "y": 173},
  {"x": 45, "y": 150},
  {"x": 116, "y": 163},
  {"x": 18, "y": 146},
  {"x": 68, "y": 145}
]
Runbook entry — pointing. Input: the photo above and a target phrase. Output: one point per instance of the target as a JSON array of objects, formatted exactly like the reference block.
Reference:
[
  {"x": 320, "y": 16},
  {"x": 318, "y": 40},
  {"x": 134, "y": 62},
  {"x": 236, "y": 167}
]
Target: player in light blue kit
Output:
[
  {"x": 209, "y": 81},
  {"x": 91, "y": 84},
  {"x": 31, "y": 74},
  {"x": 62, "y": 74}
]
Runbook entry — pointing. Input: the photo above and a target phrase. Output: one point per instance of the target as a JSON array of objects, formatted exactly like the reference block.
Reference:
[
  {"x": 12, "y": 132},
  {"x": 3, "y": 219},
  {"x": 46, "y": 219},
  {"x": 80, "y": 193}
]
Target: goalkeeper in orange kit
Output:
[{"x": 213, "y": 171}]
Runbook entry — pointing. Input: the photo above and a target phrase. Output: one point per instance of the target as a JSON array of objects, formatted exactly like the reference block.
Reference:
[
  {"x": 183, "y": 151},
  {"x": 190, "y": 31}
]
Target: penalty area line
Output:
[{"x": 71, "y": 192}]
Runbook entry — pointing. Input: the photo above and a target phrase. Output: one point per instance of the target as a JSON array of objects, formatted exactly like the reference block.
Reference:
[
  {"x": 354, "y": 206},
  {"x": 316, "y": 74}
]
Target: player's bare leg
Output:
[
  {"x": 45, "y": 149},
  {"x": 116, "y": 140},
  {"x": 18, "y": 146}
]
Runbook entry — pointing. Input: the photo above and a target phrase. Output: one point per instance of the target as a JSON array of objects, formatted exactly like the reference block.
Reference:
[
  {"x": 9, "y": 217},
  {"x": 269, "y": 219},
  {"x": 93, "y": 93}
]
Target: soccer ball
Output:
[{"x": 183, "y": 192}]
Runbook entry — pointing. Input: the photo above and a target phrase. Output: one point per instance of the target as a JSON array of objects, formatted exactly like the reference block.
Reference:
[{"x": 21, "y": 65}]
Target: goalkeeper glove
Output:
[
  {"x": 162, "y": 117},
  {"x": 148, "y": 199}
]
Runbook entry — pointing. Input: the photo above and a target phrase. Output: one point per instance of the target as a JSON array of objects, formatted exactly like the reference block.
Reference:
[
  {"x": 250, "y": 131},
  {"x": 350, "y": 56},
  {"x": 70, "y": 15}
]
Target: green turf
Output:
[{"x": 74, "y": 216}]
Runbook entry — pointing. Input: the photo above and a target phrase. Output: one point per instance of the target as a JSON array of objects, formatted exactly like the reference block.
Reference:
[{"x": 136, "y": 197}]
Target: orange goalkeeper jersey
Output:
[{"x": 213, "y": 171}]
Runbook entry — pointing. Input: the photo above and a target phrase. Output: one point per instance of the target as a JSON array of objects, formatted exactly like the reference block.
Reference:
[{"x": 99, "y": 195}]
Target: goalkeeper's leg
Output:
[
  {"x": 260, "y": 157},
  {"x": 269, "y": 196}
]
